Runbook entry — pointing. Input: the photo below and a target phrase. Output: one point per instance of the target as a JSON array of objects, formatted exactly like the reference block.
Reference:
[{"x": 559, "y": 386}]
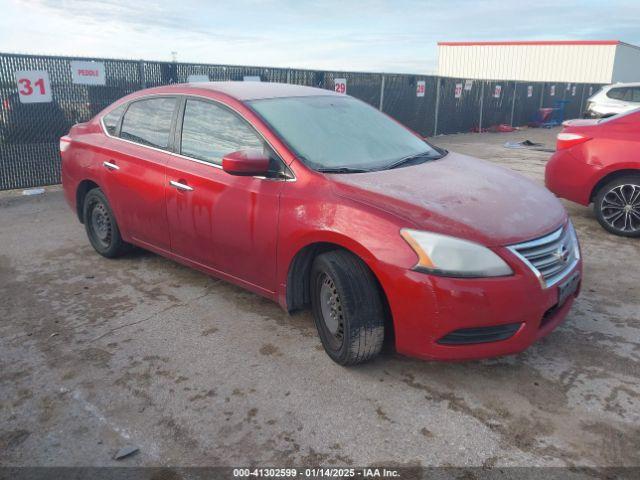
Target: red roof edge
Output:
[{"x": 534, "y": 42}]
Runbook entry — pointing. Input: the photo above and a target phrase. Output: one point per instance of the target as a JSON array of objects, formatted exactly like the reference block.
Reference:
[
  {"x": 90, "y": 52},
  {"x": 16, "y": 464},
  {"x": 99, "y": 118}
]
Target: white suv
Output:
[{"x": 613, "y": 99}]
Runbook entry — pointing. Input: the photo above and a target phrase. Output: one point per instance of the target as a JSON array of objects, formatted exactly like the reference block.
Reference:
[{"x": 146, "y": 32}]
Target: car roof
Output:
[
  {"x": 252, "y": 90},
  {"x": 620, "y": 84}
]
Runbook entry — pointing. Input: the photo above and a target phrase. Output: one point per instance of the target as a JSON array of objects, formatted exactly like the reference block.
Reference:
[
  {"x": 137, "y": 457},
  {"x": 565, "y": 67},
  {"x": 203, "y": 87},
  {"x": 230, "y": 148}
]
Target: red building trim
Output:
[{"x": 533, "y": 42}]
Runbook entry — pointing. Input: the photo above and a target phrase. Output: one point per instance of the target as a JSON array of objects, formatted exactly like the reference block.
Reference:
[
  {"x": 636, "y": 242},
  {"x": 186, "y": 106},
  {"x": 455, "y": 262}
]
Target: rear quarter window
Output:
[{"x": 112, "y": 119}]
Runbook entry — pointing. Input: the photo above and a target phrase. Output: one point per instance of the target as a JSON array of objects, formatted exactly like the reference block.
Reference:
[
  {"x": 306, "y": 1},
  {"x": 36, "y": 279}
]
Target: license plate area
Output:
[{"x": 568, "y": 288}]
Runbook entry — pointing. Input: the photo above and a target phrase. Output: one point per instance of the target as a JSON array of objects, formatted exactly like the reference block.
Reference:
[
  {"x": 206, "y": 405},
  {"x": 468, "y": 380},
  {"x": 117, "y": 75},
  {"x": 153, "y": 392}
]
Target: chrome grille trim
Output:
[{"x": 550, "y": 257}]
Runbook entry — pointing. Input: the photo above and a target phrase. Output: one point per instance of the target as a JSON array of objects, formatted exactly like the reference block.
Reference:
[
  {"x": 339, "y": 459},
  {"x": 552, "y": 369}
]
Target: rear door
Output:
[
  {"x": 223, "y": 222},
  {"x": 134, "y": 165}
]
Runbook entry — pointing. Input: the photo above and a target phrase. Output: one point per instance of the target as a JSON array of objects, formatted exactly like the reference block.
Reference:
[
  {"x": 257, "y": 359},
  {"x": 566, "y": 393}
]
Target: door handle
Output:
[
  {"x": 180, "y": 186},
  {"x": 111, "y": 166}
]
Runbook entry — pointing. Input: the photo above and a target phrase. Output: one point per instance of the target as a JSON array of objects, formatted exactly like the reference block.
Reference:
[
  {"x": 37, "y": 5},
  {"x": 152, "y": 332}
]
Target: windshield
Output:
[{"x": 333, "y": 133}]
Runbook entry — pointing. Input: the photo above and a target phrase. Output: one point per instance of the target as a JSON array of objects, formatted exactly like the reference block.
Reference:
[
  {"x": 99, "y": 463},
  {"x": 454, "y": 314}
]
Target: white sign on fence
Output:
[
  {"x": 468, "y": 84},
  {"x": 33, "y": 86},
  {"x": 458, "y": 91},
  {"x": 421, "y": 87},
  {"x": 552, "y": 90},
  {"x": 340, "y": 85},
  {"x": 573, "y": 91},
  {"x": 88, "y": 73},
  {"x": 197, "y": 78},
  {"x": 251, "y": 78},
  {"x": 497, "y": 91},
  {"x": 530, "y": 91}
]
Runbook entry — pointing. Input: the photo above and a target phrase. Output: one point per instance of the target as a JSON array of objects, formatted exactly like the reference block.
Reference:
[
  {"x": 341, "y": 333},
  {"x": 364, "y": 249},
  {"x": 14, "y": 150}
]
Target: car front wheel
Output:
[
  {"x": 617, "y": 206},
  {"x": 347, "y": 307}
]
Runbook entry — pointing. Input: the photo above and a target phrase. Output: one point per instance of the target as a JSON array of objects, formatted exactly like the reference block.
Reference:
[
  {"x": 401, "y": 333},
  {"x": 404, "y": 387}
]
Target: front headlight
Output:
[{"x": 453, "y": 257}]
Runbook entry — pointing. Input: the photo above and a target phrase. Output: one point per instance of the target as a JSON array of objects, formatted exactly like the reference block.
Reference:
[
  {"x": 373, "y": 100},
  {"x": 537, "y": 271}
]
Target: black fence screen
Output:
[{"x": 52, "y": 99}]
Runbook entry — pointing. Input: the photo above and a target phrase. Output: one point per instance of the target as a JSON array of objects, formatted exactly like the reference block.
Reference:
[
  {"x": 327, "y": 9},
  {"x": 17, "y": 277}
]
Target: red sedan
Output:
[
  {"x": 313, "y": 198},
  {"x": 598, "y": 161}
]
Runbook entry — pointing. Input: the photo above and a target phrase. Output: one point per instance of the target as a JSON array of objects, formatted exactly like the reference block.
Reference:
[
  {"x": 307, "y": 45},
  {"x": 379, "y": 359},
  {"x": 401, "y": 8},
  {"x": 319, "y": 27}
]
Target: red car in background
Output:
[
  {"x": 312, "y": 198},
  {"x": 598, "y": 161}
]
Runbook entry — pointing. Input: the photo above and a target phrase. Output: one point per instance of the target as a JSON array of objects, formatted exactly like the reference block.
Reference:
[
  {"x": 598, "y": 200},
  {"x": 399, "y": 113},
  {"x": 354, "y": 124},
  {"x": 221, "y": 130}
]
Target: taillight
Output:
[
  {"x": 568, "y": 140},
  {"x": 65, "y": 143}
]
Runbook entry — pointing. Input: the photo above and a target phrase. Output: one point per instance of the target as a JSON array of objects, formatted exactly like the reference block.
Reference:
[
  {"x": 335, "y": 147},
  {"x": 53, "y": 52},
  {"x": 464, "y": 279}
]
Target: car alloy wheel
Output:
[{"x": 620, "y": 208}]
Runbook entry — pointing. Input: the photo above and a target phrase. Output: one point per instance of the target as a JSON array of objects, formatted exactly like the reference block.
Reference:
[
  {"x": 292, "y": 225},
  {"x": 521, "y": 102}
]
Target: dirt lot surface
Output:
[{"x": 97, "y": 354}]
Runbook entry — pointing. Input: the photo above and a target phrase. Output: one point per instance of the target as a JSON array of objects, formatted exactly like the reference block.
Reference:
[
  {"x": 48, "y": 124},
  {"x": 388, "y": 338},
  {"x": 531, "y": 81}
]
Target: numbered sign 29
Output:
[
  {"x": 33, "y": 86},
  {"x": 421, "y": 87},
  {"x": 458, "y": 91},
  {"x": 340, "y": 85}
]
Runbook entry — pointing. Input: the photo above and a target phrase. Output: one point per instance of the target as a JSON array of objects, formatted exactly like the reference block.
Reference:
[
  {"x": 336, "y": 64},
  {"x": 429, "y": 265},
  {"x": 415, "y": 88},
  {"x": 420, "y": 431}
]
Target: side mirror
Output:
[{"x": 247, "y": 163}]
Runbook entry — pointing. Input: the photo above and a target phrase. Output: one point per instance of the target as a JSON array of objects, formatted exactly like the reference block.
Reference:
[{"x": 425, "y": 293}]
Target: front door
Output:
[{"x": 220, "y": 221}]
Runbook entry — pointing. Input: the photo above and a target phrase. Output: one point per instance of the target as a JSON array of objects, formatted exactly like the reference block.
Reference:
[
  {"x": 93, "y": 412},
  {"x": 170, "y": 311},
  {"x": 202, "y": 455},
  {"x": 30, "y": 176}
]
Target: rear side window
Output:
[
  {"x": 112, "y": 119},
  {"x": 618, "y": 93},
  {"x": 148, "y": 122},
  {"x": 635, "y": 96},
  {"x": 209, "y": 132}
]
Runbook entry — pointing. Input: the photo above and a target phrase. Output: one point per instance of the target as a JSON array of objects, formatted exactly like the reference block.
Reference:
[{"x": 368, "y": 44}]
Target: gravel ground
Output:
[{"x": 97, "y": 354}]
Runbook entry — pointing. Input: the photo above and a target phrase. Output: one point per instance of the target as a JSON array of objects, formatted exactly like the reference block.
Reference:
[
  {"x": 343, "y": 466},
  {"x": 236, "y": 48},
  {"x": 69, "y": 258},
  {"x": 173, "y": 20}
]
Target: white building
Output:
[{"x": 592, "y": 61}]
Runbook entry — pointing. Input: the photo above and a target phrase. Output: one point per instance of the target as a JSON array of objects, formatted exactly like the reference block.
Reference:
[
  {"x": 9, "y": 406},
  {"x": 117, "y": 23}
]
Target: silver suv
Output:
[{"x": 613, "y": 99}]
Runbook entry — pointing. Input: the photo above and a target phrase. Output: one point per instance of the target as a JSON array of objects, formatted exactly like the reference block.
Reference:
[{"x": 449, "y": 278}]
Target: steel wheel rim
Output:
[
  {"x": 101, "y": 224},
  {"x": 331, "y": 310},
  {"x": 620, "y": 208}
]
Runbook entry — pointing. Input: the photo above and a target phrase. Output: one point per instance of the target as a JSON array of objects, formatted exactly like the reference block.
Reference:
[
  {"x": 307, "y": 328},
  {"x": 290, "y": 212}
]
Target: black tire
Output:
[
  {"x": 617, "y": 206},
  {"x": 101, "y": 226},
  {"x": 354, "y": 332}
]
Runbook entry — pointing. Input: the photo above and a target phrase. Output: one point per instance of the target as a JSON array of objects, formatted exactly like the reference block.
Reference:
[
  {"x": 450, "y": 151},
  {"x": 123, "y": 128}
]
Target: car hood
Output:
[{"x": 460, "y": 196}]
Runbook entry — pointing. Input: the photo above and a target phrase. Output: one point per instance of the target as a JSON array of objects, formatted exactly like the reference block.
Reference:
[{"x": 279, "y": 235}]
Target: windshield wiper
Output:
[
  {"x": 342, "y": 170},
  {"x": 411, "y": 158}
]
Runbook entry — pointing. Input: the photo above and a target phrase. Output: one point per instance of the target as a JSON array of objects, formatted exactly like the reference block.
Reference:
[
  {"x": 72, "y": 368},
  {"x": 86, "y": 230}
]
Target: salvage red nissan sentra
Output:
[{"x": 314, "y": 198}]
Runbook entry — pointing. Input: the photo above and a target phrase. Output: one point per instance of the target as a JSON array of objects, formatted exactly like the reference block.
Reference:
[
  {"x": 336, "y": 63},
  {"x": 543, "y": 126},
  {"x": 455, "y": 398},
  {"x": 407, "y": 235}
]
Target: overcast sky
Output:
[{"x": 381, "y": 36}]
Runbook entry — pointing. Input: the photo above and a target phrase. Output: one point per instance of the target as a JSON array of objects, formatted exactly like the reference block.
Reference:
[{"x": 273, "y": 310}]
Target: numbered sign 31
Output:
[
  {"x": 340, "y": 85},
  {"x": 421, "y": 87},
  {"x": 458, "y": 91},
  {"x": 33, "y": 86},
  {"x": 497, "y": 91}
]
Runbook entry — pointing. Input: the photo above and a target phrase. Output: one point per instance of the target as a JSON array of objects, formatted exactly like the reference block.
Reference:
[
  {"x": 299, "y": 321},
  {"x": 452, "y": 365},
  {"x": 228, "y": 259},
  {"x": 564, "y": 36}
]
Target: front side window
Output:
[
  {"x": 112, "y": 119},
  {"x": 339, "y": 132},
  {"x": 209, "y": 132},
  {"x": 148, "y": 122}
]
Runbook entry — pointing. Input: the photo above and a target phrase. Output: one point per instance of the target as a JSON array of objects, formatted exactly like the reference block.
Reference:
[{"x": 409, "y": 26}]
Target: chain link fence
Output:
[{"x": 429, "y": 105}]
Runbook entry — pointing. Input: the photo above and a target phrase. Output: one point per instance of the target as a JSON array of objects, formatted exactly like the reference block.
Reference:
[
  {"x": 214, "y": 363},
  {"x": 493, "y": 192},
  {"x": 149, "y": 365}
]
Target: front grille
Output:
[
  {"x": 552, "y": 256},
  {"x": 465, "y": 336}
]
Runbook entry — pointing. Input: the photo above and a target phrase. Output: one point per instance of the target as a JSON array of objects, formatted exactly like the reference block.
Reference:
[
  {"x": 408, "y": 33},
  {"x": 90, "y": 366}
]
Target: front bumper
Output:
[{"x": 427, "y": 308}]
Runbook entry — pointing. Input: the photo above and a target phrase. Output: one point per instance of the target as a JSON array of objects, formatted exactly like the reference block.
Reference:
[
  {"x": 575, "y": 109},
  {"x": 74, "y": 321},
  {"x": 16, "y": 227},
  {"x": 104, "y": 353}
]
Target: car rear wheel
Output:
[
  {"x": 101, "y": 226},
  {"x": 617, "y": 206},
  {"x": 347, "y": 307}
]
